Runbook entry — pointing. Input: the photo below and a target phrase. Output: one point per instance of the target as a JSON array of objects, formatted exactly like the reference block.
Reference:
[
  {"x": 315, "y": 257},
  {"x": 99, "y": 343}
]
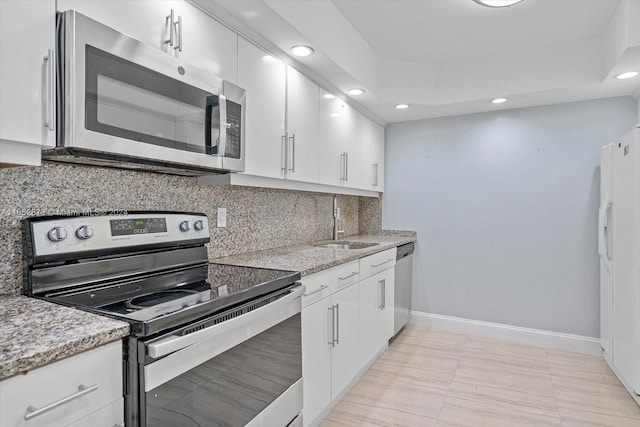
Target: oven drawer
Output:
[
  {"x": 374, "y": 264},
  {"x": 73, "y": 388}
]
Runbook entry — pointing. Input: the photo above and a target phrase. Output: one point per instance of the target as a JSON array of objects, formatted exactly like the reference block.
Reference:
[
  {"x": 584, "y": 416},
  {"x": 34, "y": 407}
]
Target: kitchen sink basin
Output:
[{"x": 347, "y": 245}]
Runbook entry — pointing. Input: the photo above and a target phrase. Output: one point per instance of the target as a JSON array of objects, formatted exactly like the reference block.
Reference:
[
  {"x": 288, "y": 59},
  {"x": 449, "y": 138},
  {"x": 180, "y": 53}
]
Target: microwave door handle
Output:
[
  {"x": 212, "y": 101},
  {"x": 222, "y": 145}
]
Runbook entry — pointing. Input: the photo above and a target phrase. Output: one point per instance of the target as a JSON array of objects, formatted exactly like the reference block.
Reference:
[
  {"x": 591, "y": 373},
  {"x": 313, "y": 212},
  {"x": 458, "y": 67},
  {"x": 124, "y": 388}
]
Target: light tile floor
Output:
[{"x": 431, "y": 377}]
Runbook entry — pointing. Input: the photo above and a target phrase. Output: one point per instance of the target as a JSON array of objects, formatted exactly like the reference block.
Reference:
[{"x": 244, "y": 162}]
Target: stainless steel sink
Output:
[{"x": 347, "y": 245}]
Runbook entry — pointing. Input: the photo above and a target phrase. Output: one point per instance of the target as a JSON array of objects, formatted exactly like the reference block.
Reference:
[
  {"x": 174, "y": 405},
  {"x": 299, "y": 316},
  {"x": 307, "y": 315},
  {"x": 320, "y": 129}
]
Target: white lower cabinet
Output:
[
  {"x": 346, "y": 322},
  {"x": 82, "y": 390},
  {"x": 376, "y": 311},
  {"x": 316, "y": 359}
]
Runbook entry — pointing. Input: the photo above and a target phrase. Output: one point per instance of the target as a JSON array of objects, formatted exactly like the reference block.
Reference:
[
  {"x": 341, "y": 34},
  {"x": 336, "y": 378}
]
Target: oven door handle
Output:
[
  {"x": 176, "y": 355},
  {"x": 173, "y": 343}
]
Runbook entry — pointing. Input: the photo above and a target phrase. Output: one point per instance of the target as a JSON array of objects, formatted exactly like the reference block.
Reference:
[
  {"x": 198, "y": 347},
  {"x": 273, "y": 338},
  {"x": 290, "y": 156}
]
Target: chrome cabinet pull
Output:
[
  {"x": 384, "y": 262},
  {"x": 292, "y": 139},
  {"x": 346, "y": 167},
  {"x": 170, "y": 20},
  {"x": 49, "y": 90},
  {"x": 384, "y": 293},
  {"x": 178, "y": 25},
  {"x": 322, "y": 288},
  {"x": 337, "y": 324},
  {"x": 374, "y": 169},
  {"x": 283, "y": 153},
  {"x": 33, "y": 412},
  {"x": 341, "y": 166},
  {"x": 380, "y": 305},
  {"x": 373, "y": 174},
  {"x": 349, "y": 276},
  {"x": 332, "y": 341}
]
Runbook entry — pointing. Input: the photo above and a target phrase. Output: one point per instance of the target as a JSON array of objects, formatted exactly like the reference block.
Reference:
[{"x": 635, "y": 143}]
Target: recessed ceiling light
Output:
[
  {"x": 626, "y": 75},
  {"x": 402, "y": 106},
  {"x": 328, "y": 96},
  {"x": 301, "y": 50},
  {"x": 268, "y": 59},
  {"x": 498, "y": 100},
  {"x": 497, "y": 3},
  {"x": 355, "y": 91}
]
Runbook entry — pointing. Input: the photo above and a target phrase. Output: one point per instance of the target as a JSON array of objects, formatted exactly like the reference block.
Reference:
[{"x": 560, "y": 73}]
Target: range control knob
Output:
[
  {"x": 85, "y": 232},
  {"x": 198, "y": 225},
  {"x": 57, "y": 234},
  {"x": 184, "y": 226}
]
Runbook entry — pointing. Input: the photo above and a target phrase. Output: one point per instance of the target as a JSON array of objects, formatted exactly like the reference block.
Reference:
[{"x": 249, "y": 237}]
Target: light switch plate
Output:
[{"x": 222, "y": 217}]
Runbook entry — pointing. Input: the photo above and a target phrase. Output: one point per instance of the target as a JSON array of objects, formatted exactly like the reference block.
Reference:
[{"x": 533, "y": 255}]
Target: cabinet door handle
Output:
[
  {"x": 346, "y": 167},
  {"x": 384, "y": 293},
  {"x": 349, "y": 276},
  {"x": 33, "y": 412},
  {"x": 49, "y": 90},
  {"x": 337, "y": 324},
  {"x": 374, "y": 168},
  {"x": 341, "y": 166},
  {"x": 283, "y": 153},
  {"x": 373, "y": 174},
  {"x": 170, "y": 21},
  {"x": 384, "y": 262},
  {"x": 380, "y": 294},
  {"x": 178, "y": 25},
  {"x": 292, "y": 139},
  {"x": 332, "y": 341},
  {"x": 323, "y": 287}
]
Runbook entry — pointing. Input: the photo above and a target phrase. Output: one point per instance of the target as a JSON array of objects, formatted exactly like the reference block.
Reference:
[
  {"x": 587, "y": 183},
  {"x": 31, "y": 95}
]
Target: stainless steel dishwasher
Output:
[{"x": 403, "y": 284}]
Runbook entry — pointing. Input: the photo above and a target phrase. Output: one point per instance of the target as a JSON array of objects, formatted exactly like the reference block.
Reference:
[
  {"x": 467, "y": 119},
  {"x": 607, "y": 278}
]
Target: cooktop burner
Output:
[{"x": 158, "y": 298}]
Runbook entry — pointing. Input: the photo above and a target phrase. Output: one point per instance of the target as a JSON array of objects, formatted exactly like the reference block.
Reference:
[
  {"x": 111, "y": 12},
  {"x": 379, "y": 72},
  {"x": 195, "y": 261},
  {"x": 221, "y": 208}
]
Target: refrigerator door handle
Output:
[{"x": 603, "y": 219}]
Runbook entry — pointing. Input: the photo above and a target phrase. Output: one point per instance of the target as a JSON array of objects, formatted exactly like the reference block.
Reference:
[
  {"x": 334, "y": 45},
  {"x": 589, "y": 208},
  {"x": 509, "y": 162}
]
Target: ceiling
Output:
[{"x": 449, "y": 57}]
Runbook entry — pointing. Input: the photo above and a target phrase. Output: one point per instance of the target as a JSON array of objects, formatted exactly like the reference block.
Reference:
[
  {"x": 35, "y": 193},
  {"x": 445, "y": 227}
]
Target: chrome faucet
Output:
[{"x": 338, "y": 227}]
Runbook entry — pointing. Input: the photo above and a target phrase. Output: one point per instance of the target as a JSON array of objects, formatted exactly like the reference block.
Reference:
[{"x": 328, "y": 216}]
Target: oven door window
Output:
[
  {"x": 234, "y": 387},
  {"x": 129, "y": 101}
]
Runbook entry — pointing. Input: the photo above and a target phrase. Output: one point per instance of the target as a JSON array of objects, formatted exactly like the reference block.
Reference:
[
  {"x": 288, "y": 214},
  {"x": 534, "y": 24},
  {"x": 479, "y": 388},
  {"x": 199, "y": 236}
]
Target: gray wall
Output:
[{"x": 505, "y": 205}]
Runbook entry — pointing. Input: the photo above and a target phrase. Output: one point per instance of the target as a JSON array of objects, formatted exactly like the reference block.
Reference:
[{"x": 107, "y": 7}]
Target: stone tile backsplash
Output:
[{"x": 257, "y": 218}]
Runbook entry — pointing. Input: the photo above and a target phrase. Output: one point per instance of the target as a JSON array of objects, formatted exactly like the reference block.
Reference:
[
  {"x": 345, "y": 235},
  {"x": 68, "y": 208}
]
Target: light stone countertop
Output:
[
  {"x": 34, "y": 333},
  {"x": 310, "y": 258}
]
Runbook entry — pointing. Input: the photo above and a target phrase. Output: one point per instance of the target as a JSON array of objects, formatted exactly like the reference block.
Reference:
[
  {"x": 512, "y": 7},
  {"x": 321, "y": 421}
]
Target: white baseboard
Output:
[{"x": 535, "y": 337}]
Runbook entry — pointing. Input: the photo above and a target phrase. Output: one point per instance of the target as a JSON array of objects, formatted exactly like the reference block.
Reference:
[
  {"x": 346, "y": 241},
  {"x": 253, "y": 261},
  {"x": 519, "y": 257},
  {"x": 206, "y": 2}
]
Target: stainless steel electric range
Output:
[{"x": 210, "y": 344}]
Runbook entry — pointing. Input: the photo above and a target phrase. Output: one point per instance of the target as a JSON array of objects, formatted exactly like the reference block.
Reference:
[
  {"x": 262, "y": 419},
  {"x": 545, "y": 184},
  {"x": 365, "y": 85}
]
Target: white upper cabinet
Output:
[
  {"x": 302, "y": 127},
  {"x": 372, "y": 156},
  {"x": 278, "y": 95},
  {"x": 264, "y": 79},
  {"x": 339, "y": 141},
  {"x": 205, "y": 42},
  {"x": 27, "y": 80}
]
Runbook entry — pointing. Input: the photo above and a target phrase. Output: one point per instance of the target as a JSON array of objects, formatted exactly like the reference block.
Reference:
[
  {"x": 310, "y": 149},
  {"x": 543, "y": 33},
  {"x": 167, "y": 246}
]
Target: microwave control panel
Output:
[{"x": 234, "y": 126}]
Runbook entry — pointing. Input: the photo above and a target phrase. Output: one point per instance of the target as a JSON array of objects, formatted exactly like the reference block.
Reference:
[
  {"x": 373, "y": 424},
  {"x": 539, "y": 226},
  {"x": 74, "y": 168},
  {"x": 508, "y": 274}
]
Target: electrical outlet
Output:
[{"x": 222, "y": 217}]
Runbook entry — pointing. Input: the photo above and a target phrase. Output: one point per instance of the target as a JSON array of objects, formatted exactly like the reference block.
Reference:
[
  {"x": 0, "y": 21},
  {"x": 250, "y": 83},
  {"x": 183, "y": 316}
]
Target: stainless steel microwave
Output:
[{"x": 125, "y": 104}]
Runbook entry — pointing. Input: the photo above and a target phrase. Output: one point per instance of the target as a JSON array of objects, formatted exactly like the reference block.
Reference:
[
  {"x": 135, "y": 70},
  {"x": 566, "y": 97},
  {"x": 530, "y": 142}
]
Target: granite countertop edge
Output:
[
  {"x": 309, "y": 258},
  {"x": 36, "y": 333}
]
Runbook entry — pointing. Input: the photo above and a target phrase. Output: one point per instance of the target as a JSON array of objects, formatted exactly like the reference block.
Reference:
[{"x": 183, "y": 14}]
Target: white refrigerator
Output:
[{"x": 619, "y": 248}]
